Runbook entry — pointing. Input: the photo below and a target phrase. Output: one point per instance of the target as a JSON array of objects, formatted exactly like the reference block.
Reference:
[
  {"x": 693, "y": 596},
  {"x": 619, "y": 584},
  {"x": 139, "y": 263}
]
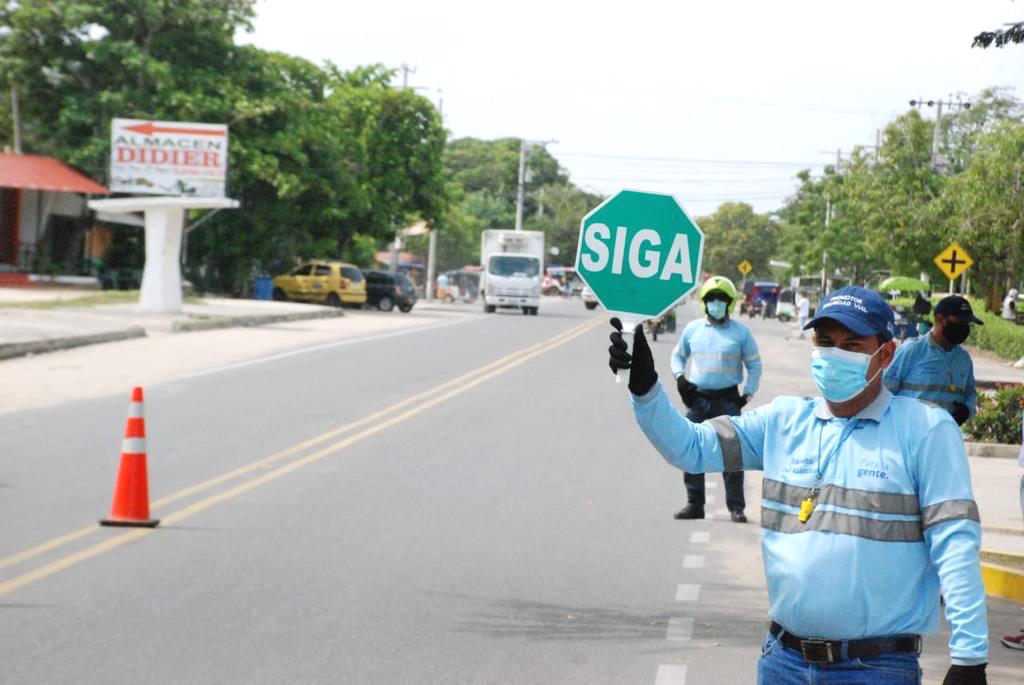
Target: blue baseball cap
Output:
[{"x": 861, "y": 310}]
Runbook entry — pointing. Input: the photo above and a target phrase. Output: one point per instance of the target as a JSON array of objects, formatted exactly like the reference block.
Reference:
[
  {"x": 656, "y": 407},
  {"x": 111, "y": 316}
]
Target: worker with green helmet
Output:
[{"x": 715, "y": 348}]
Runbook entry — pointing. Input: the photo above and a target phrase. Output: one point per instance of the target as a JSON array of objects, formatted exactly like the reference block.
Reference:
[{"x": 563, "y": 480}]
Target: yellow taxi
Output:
[{"x": 331, "y": 283}]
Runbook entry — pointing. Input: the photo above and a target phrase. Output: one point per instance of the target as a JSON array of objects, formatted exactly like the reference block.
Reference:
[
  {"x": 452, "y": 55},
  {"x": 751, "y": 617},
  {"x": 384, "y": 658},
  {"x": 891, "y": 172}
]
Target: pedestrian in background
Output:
[
  {"x": 935, "y": 367},
  {"x": 803, "y": 309},
  {"x": 1010, "y": 306},
  {"x": 867, "y": 509},
  {"x": 716, "y": 348}
]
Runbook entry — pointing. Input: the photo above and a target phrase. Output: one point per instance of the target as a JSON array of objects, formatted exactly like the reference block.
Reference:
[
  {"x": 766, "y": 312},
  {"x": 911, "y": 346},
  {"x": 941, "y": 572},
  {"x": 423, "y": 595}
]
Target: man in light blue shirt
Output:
[
  {"x": 715, "y": 348},
  {"x": 867, "y": 508},
  {"x": 935, "y": 367}
]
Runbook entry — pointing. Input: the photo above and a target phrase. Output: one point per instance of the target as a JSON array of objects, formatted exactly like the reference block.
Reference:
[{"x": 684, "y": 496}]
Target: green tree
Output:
[
  {"x": 962, "y": 130},
  {"x": 316, "y": 155},
  {"x": 987, "y": 207},
  {"x": 734, "y": 233},
  {"x": 903, "y": 231}
]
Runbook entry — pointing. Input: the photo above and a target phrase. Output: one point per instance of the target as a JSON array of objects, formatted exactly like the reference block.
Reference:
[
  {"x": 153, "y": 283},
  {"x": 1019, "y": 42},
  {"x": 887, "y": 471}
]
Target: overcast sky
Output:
[{"x": 711, "y": 101}]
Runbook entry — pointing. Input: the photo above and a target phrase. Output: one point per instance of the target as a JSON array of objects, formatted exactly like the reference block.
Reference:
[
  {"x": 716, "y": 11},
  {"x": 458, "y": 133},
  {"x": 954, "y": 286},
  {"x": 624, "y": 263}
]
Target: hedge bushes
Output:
[
  {"x": 999, "y": 416},
  {"x": 999, "y": 335}
]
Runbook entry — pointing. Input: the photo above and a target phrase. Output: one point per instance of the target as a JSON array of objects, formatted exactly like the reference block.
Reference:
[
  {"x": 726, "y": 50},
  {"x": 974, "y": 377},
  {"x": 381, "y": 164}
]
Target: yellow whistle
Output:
[{"x": 806, "y": 507}]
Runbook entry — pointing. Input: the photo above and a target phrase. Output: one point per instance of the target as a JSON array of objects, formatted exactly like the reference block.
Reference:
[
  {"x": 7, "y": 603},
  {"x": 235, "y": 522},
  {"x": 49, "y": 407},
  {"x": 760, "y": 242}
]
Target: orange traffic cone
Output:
[{"x": 131, "y": 493}]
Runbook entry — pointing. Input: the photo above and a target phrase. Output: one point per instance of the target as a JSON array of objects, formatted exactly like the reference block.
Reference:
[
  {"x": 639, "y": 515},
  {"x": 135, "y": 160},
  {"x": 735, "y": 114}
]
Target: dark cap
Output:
[
  {"x": 861, "y": 310},
  {"x": 954, "y": 305}
]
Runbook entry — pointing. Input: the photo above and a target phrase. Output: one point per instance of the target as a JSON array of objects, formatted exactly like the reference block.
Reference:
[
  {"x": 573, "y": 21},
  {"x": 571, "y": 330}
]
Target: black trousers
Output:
[{"x": 704, "y": 408}]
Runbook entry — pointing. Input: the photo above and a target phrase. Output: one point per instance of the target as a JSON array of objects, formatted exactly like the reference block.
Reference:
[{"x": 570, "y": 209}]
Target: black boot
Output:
[
  {"x": 738, "y": 516},
  {"x": 690, "y": 511}
]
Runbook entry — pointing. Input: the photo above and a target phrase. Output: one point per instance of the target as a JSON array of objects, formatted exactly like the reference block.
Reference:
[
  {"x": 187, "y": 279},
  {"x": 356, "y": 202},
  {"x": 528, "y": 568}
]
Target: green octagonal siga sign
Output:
[{"x": 640, "y": 253}]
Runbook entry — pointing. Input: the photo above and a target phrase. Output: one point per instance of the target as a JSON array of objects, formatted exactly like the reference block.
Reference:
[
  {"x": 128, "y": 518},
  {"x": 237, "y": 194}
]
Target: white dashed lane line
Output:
[
  {"x": 671, "y": 674},
  {"x": 679, "y": 629},
  {"x": 687, "y": 592},
  {"x": 699, "y": 537},
  {"x": 693, "y": 561}
]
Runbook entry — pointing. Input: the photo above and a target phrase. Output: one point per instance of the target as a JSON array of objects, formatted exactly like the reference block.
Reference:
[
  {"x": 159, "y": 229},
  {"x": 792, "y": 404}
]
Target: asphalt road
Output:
[{"x": 468, "y": 504}]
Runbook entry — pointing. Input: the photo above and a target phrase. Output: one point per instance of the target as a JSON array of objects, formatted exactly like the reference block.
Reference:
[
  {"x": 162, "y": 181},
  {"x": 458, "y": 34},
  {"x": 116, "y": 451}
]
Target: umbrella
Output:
[{"x": 904, "y": 284}]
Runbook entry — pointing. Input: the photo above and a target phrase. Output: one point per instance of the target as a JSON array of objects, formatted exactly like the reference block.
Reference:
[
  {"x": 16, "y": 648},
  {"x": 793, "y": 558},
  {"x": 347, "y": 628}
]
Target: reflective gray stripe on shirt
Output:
[
  {"x": 847, "y": 498},
  {"x": 732, "y": 452},
  {"x": 950, "y": 510},
  {"x": 785, "y": 493},
  {"x": 715, "y": 356},
  {"x": 824, "y": 521}
]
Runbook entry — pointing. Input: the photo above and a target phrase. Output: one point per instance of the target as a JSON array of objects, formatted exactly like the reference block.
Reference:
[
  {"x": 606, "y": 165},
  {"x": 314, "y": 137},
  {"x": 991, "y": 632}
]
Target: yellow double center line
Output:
[{"x": 421, "y": 402}]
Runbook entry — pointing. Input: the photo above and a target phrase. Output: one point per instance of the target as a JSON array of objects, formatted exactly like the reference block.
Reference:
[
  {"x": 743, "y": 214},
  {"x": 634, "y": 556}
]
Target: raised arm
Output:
[{"x": 723, "y": 443}]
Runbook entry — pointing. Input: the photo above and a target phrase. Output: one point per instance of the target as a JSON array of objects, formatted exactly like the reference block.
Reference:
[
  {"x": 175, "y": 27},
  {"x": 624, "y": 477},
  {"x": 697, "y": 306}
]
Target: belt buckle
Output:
[{"x": 817, "y": 651}]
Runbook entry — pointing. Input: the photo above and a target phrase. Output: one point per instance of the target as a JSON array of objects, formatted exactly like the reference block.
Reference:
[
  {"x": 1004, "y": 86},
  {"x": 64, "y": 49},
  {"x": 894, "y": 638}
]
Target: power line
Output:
[
  {"x": 742, "y": 162},
  {"x": 789, "y": 179}
]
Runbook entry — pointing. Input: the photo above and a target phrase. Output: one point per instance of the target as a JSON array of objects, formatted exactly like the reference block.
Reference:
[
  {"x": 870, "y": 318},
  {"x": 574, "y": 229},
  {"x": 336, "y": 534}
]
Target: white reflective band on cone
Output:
[
  {"x": 133, "y": 446},
  {"x": 135, "y": 410}
]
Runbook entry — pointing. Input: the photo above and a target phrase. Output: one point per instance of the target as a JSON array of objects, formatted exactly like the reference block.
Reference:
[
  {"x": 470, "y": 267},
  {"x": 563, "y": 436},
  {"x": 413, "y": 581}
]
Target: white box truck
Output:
[{"x": 513, "y": 269}]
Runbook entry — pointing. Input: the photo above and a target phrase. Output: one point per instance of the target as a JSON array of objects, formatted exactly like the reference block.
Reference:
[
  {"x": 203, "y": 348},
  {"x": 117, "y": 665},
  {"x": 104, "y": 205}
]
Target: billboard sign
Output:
[{"x": 168, "y": 158}]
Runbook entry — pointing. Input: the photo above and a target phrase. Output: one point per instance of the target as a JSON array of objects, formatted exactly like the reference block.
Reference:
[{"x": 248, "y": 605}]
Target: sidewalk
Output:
[
  {"x": 36, "y": 320},
  {"x": 989, "y": 366}
]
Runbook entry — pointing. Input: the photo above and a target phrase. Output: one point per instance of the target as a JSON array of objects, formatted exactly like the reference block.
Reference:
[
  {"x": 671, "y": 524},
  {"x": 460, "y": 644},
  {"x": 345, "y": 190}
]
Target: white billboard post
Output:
[
  {"x": 185, "y": 164},
  {"x": 165, "y": 221}
]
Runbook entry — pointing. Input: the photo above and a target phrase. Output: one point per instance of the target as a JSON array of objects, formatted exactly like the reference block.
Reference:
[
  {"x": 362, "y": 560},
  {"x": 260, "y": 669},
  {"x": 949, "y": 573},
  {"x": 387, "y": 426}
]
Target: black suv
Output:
[{"x": 385, "y": 289}]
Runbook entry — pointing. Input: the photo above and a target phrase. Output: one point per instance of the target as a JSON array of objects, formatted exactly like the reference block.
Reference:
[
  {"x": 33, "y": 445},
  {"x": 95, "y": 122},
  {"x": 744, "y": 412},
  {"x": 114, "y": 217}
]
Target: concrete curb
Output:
[
  {"x": 13, "y": 350},
  {"x": 992, "y": 450},
  {"x": 251, "y": 320}
]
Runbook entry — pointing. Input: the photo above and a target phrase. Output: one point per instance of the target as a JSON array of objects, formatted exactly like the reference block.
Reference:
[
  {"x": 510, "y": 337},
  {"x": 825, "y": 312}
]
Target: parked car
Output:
[
  {"x": 587, "y": 295},
  {"x": 385, "y": 289},
  {"x": 333, "y": 283}
]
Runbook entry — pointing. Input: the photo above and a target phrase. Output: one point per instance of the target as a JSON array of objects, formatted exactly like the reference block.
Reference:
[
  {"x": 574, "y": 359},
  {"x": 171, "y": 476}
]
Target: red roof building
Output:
[{"x": 41, "y": 204}]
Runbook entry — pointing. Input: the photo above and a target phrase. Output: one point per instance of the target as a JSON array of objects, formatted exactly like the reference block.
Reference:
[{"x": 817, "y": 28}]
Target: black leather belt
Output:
[
  {"x": 831, "y": 651},
  {"x": 732, "y": 391}
]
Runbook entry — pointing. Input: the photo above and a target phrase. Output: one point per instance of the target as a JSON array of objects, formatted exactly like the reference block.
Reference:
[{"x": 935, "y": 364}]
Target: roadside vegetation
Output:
[{"x": 999, "y": 417}]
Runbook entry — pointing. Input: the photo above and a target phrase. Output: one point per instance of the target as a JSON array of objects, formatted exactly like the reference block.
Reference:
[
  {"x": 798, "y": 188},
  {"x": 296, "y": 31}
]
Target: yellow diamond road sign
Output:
[
  {"x": 744, "y": 267},
  {"x": 953, "y": 261}
]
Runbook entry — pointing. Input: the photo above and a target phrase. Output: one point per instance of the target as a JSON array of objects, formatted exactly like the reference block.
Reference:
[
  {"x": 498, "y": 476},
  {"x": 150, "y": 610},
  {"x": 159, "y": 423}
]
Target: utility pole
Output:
[
  {"x": 406, "y": 70},
  {"x": 938, "y": 163},
  {"x": 431, "y": 263},
  {"x": 16, "y": 119},
  {"x": 521, "y": 190}
]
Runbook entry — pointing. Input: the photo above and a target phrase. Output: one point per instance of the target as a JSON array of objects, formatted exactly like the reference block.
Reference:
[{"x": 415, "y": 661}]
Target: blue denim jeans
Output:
[{"x": 780, "y": 665}]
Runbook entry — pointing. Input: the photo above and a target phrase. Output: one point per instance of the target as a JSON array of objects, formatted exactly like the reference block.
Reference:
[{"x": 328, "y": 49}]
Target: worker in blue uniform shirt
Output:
[
  {"x": 867, "y": 511},
  {"x": 716, "y": 348},
  {"x": 935, "y": 367}
]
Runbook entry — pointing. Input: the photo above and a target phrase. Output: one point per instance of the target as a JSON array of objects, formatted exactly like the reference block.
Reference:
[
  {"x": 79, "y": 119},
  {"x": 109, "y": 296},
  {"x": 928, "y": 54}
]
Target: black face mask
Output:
[{"x": 956, "y": 333}]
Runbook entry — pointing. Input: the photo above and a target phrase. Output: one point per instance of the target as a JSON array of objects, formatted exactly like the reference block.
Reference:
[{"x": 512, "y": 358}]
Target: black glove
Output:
[
  {"x": 966, "y": 675},
  {"x": 742, "y": 401},
  {"x": 960, "y": 413},
  {"x": 687, "y": 390},
  {"x": 642, "y": 375}
]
